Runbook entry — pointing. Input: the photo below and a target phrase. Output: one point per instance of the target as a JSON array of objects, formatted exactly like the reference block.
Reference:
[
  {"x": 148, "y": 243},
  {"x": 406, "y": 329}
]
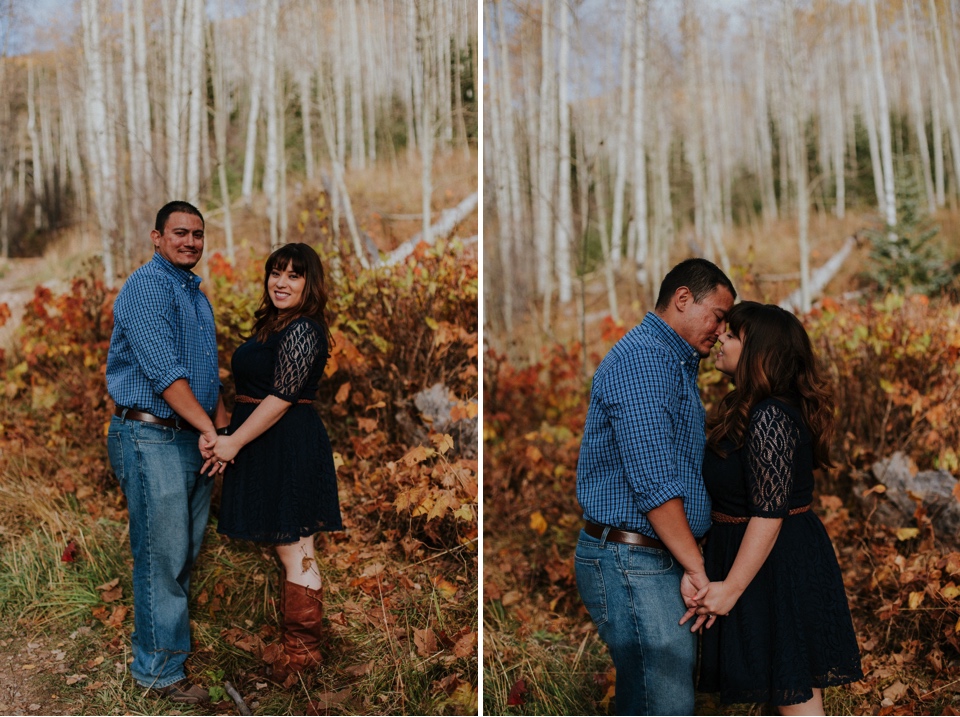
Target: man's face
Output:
[
  {"x": 182, "y": 240},
  {"x": 700, "y": 323}
]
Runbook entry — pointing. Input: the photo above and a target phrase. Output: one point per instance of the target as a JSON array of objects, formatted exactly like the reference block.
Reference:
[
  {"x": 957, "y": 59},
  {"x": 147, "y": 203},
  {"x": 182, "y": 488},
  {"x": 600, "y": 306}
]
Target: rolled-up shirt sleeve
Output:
[
  {"x": 641, "y": 398},
  {"x": 148, "y": 328}
]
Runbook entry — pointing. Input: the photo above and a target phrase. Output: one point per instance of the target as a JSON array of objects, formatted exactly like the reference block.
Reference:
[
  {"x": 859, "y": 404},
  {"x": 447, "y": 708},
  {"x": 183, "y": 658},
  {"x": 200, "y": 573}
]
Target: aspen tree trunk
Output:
[
  {"x": 547, "y": 160},
  {"x": 339, "y": 89},
  {"x": 144, "y": 134},
  {"x": 869, "y": 119},
  {"x": 102, "y": 169},
  {"x": 34, "y": 135},
  {"x": 132, "y": 106},
  {"x": 271, "y": 102},
  {"x": 609, "y": 268},
  {"x": 221, "y": 122},
  {"x": 69, "y": 137},
  {"x": 358, "y": 155},
  {"x": 506, "y": 210},
  {"x": 195, "y": 63},
  {"x": 509, "y": 136},
  {"x": 663, "y": 205},
  {"x": 795, "y": 113},
  {"x": 886, "y": 150},
  {"x": 939, "y": 182},
  {"x": 253, "y": 118},
  {"x": 372, "y": 85},
  {"x": 946, "y": 93},
  {"x": 639, "y": 144},
  {"x": 623, "y": 122},
  {"x": 428, "y": 110},
  {"x": 174, "y": 102},
  {"x": 838, "y": 146},
  {"x": 916, "y": 107},
  {"x": 564, "y": 226},
  {"x": 327, "y": 126},
  {"x": 768, "y": 195}
]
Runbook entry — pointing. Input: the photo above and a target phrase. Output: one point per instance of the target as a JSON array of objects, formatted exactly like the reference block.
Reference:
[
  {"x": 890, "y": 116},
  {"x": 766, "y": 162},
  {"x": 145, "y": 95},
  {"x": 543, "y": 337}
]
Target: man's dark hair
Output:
[
  {"x": 698, "y": 275},
  {"x": 172, "y": 208}
]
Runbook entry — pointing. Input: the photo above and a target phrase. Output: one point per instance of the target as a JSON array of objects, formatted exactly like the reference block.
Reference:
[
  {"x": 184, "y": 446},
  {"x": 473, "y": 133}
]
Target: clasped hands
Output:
[
  {"x": 705, "y": 599},
  {"x": 217, "y": 451}
]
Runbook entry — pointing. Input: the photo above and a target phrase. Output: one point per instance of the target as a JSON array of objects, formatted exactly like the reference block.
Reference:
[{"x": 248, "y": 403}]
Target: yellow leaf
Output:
[
  {"x": 443, "y": 442},
  {"x": 538, "y": 523},
  {"x": 907, "y": 533},
  {"x": 337, "y": 461},
  {"x": 431, "y": 323},
  {"x": 464, "y": 513},
  {"x": 915, "y": 599},
  {"x": 950, "y": 591},
  {"x": 418, "y": 455}
]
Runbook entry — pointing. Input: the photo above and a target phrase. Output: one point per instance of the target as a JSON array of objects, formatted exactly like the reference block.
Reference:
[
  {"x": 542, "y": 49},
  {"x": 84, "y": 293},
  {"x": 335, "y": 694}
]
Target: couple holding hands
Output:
[
  {"x": 171, "y": 433},
  {"x": 762, "y": 587}
]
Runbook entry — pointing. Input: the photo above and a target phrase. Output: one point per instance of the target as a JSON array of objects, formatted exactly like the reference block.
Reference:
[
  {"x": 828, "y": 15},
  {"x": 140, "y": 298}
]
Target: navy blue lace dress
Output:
[
  {"x": 791, "y": 629},
  {"x": 282, "y": 485}
]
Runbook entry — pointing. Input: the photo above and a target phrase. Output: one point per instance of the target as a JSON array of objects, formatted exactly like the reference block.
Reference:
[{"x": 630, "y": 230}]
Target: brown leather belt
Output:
[
  {"x": 733, "y": 519},
  {"x": 135, "y": 415},
  {"x": 628, "y": 537}
]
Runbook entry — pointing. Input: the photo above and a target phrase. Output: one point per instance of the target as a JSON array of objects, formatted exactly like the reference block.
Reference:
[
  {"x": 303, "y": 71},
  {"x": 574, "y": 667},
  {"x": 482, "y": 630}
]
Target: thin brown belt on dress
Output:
[
  {"x": 250, "y": 399},
  {"x": 724, "y": 518}
]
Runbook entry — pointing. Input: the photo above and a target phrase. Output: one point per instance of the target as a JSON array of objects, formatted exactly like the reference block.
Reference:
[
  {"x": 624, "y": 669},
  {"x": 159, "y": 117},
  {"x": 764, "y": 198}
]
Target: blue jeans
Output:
[
  {"x": 633, "y": 595},
  {"x": 168, "y": 500}
]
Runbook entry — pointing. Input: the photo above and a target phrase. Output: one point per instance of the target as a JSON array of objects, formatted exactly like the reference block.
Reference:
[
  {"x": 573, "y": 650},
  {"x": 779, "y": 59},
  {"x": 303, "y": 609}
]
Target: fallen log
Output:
[
  {"x": 822, "y": 276},
  {"x": 445, "y": 225}
]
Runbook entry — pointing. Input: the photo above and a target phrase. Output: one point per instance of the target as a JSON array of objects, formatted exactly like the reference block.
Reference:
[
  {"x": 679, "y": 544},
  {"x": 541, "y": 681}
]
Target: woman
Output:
[
  {"x": 282, "y": 487},
  {"x": 784, "y": 631}
]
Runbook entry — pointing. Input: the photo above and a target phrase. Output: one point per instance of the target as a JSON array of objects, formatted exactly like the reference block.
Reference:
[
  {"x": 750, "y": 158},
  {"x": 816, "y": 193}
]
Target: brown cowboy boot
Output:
[{"x": 302, "y": 614}]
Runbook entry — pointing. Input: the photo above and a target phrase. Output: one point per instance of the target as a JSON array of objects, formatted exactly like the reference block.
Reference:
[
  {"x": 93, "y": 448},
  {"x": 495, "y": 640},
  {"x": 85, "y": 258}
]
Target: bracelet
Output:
[{"x": 225, "y": 431}]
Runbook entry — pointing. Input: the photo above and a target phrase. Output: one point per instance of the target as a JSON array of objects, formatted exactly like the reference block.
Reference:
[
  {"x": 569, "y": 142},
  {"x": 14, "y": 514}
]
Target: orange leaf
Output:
[
  {"x": 343, "y": 393},
  {"x": 426, "y": 642},
  {"x": 418, "y": 455}
]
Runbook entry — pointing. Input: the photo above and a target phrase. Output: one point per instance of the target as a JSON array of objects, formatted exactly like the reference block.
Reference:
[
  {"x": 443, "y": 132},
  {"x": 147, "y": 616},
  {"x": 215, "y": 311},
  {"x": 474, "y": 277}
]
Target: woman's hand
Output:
[
  {"x": 719, "y": 600},
  {"x": 221, "y": 452}
]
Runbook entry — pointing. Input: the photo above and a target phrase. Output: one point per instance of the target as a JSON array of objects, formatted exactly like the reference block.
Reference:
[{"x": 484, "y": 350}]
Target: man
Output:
[
  {"x": 162, "y": 373},
  {"x": 642, "y": 494}
]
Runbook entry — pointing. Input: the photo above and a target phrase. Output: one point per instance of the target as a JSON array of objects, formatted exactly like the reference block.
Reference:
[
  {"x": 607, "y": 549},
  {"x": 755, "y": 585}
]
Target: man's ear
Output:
[
  {"x": 682, "y": 298},
  {"x": 155, "y": 237}
]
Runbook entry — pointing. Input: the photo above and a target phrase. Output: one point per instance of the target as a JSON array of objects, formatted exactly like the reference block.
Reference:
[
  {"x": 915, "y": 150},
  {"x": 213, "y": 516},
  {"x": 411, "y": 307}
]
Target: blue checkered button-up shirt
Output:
[
  {"x": 644, "y": 436},
  {"x": 163, "y": 331}
]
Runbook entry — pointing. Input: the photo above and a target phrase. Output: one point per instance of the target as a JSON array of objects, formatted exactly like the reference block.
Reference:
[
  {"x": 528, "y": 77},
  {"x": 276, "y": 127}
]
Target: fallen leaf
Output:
[
  {"x": 895, "y": 692},
  {"x": 538, "y": 523},
  {"x": 466, "y": 645},
  {"x": 360, "y": 670},
  {"x": 907, "y": 533},
  {"x": 519, "y": 689},
  {"x": 343, "y": 393},
  {"x": 426, "y": 642},
  {"x": 70, "y": 552}
]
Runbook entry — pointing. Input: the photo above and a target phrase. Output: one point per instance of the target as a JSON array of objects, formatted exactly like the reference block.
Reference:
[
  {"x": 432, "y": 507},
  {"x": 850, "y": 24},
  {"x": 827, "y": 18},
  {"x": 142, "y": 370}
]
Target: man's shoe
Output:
[{"x": 184, "y": 692}]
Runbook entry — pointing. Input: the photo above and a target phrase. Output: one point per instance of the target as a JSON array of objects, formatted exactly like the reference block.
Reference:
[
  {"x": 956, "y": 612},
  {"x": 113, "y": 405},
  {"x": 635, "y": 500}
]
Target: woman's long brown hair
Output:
[
  {"x": 776, "y": 361},
  {"x": 302, "y": 259}
]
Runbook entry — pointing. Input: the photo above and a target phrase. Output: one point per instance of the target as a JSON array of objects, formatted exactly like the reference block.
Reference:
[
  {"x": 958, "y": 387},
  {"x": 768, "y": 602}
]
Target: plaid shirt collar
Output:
[
  {"x": 657, "y": 328},
  {"x": 181, "y": 276}
]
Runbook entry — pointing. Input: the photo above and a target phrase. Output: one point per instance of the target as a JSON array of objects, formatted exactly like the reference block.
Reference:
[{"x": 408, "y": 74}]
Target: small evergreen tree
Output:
[{"x": 905, "y": 257}]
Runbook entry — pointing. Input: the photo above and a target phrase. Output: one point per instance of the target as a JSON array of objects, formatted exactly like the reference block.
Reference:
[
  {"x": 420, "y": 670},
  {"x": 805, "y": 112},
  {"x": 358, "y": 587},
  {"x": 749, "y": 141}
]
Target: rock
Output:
[
  {"x": 905, "y": 485},
  {"x": 434, "y": 407}
]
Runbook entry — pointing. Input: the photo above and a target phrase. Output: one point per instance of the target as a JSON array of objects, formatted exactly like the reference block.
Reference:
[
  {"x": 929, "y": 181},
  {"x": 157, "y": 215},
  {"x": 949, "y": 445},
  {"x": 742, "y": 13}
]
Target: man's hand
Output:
[{"x": 693, "y": 589}]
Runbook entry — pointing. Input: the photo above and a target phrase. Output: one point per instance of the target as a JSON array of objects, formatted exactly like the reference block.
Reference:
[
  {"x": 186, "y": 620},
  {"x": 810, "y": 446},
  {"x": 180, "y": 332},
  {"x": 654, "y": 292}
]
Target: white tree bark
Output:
[
  {"x": 96, "y": 110},
  {"x": 195, "y": 63},
  {"x": 623, "y": 122},
  {"x": 639, "y": 143},
  {"x": 916, "y": 109},
  {"x": 886, "y": 147},
  {"x": 564, "y": 227},
  {"x": 253, "y": 117}
]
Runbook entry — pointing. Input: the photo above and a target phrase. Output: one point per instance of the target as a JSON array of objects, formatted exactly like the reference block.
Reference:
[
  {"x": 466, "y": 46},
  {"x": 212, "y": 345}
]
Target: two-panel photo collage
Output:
[{"x": 480, "y": 357}]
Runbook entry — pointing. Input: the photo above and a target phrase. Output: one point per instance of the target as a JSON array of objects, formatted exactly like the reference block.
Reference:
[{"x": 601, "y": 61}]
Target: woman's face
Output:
[
  {"x": 729, "y": 355},
  {"x": 285, "y": 288}
]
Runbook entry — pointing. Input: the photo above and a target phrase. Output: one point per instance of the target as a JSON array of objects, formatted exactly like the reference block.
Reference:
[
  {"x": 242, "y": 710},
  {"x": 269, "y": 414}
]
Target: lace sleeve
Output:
[
  {"x": 296, "y": 354},
  {"x": 771, "y": 446}
]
